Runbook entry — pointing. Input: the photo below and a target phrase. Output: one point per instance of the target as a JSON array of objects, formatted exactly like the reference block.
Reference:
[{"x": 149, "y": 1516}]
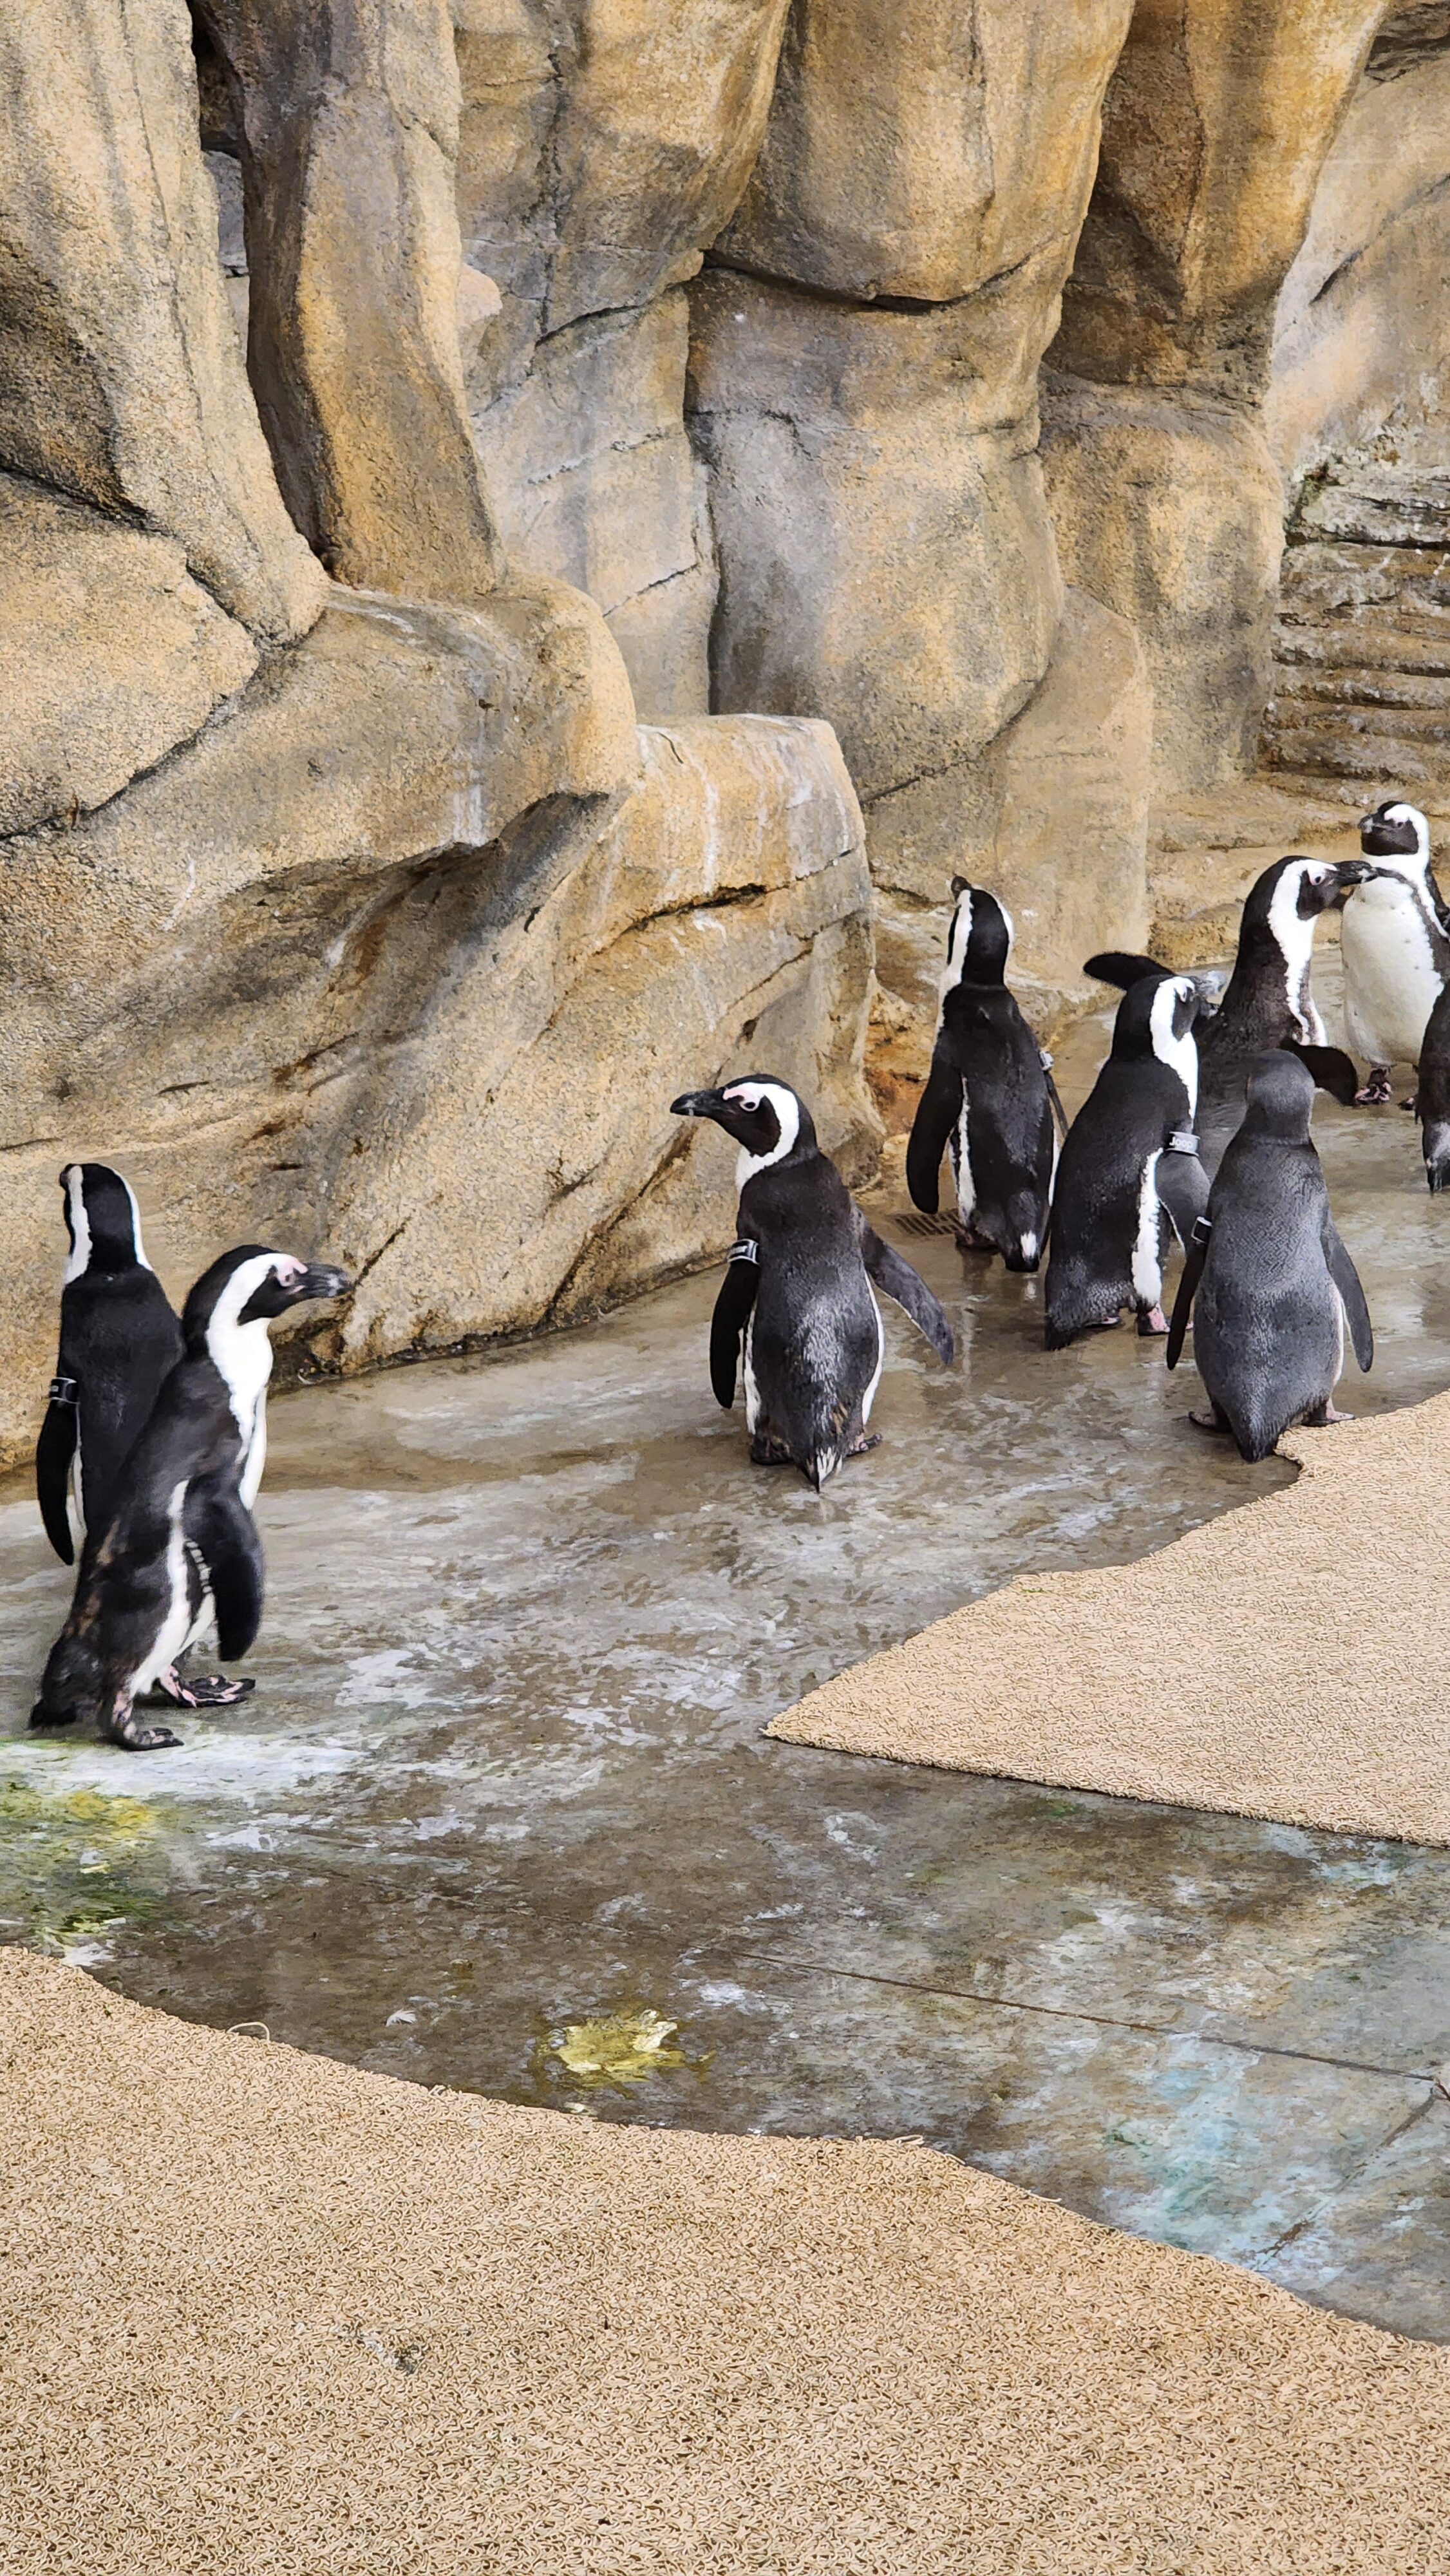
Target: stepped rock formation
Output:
[{"x": 457, "y": 465}]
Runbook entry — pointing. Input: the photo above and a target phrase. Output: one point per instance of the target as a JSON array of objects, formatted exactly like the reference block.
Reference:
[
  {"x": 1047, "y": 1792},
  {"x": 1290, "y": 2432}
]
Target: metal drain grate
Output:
[{"x": 922, "y": 1226}]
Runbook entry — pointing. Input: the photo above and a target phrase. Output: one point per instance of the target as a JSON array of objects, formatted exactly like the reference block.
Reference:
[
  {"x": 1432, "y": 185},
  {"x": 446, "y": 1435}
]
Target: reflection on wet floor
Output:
[{"x": 501, "y": 1814}]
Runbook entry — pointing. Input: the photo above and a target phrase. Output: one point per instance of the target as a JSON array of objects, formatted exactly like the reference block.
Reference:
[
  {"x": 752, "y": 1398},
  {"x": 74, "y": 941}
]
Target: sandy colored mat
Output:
[
  {"x": 1290, "y": 1659},
  {"x": 261, "y": 2312}
]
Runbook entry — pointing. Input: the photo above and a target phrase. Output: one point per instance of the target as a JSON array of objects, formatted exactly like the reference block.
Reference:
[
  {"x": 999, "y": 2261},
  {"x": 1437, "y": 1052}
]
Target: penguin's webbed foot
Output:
[
  {"x": 1151, "y": 1321},
  {"x": 1322, "y": 1417},
  {"x": 40, "y": 1715},
  {"x": 968, "y": 1239},
  {"x": 1377, "y": 1090},
  {"x": 1412, "y": 1104},
  {"x": 201, "y": 1690},
  {"x": 123, "y": 1727},
  {"x": 1212, "y": 1421},
  {"x": 868, "y": 1440},
  {"x": 768, "y": 1452}
]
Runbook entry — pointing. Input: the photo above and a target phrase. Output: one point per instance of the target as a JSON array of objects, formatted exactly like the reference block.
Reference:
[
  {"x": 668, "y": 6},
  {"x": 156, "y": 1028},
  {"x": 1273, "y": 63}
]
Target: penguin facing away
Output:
[
  {"x": 798, "y": 1287},
  {"x": 1395, "y": 944},
  {"x": 986, "y": 1096},
  {"x": 180, "y": 1543},
  {"x": 1267, "y": 1001},
  {"x": 1129, "y": 1168},
  {"x": 119, "y": 1340},
  {"x": 1268, "y": 1279}
]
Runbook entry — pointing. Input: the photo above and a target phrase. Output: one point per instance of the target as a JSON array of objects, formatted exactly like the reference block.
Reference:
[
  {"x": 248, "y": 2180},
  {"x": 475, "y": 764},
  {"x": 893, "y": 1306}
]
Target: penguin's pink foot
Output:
[
  {"x": 202, "y": 1690},
  {"x": 766, "y": 1452},
  {"x": 123, "y": 1727},
  {"x": 1213, "y": 1421},
  {"x": 968, "y": 1239},
  {"x": 1323, "y": 1416},
  {"x": 1152, "y": 1321},
  {"x": 868, "y": 1440},
  {"x": 1413, "y": 1105},
  {"x": 1377, "y": 1090}
]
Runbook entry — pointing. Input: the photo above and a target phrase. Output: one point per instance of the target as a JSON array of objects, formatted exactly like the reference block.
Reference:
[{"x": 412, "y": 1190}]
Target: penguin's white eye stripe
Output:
[{"x": 747, "y": 1099}]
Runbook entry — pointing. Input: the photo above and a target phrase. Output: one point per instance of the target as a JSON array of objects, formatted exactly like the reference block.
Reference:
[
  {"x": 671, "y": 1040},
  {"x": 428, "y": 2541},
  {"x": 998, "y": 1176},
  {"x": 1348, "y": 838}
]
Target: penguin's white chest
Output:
[{"x": 1391, "y": 983}]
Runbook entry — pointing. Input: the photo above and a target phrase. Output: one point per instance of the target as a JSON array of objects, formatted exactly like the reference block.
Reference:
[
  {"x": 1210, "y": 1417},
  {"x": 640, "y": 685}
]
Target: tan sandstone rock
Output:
[
  {"x": 1168, "y": 508},
  {"x": 380, "y": 950},
  {"x": 884, "y": 548},
  {"x": 917, "y": 148},
  {"x": 595, "y": 481},
  {"x": 112, "y": 654},
  {"x": 349, "y": 137},
  {"x": 120, "y": 379}
]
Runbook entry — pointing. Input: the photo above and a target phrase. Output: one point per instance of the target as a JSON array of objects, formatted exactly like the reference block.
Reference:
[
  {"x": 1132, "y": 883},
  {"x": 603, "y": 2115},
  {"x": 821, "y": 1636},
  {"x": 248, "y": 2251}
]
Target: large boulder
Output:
[
  {"x": 349, "y": 139},
  {"x": 916, "y": 148},
  {"x": 120, "y": 378},
  {"x": 113, "y": 654},
  {"x": 404, "y": 956},
  {"x": 885, "y": 552}
]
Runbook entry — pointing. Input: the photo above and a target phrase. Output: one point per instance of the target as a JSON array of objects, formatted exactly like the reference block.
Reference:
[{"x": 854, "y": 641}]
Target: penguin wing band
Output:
[
  {"x": 732, "y": 1314},
  {"x": 908, "y": 1290},
  {"x": 1182, "y": 1185}
]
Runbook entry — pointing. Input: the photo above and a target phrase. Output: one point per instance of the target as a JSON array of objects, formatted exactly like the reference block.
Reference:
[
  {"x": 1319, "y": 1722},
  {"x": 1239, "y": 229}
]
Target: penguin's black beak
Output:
[
  {"x": 1348, "y": 874},
  {"x": 698, "y": 1104},
  {"x": 319, "y": 1279}
]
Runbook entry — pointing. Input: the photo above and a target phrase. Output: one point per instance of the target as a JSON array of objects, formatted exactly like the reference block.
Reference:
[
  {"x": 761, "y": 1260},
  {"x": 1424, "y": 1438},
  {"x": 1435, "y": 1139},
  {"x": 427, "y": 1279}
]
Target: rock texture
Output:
[
  {"x": 113, "y": 654},
  {"x": 604, "y": 143},
  {"x": 407, "y": 956},
  {"x": 120, "y": 380},
  {"x": 348, "y": 127},
  {"x": 1361, "y": 683}
]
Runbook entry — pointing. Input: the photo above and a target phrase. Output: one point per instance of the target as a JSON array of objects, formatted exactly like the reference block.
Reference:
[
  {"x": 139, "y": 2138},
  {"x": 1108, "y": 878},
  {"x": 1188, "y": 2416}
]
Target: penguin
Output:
[
  {"x": 1267, "y": 1001},
  {"x": 1395, "y": 945},
  {"x": 797, "y": 1287},
  {"x": 987, "y": 1095},
  {"x": 1272, "y": 1281},
  {"x": 1432, "y": 1101},
  {"x": 1130, "y": 1167},
  {"x": 119, "y": 1340},
  {"x": 180, "y": 1544}
]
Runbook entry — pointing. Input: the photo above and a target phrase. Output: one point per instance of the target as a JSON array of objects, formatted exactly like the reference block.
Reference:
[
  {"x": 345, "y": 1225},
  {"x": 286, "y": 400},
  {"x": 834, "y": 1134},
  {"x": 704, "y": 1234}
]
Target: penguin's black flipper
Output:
[
  {"x": 1187, "y": 1289},
  {"x": 937, "y": 1113},
  {"x": 908, "y": 1290},
  {"x": 1120, "y": 966},
  {"x": 54, "y": 1451},
  {"x": 1346, "y": 1279},
  {"x": 732, "y": 1314},
  {"x": 220, "y": 1525},
  {"x": 1182, "y": 1185},
  {"x": 1330, "y": 1067}
]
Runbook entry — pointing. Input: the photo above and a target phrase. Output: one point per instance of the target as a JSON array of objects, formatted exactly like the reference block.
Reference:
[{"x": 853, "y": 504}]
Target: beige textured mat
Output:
[
  {"x": 1290, "y": 1659},
  {"x": 262, "y": 2312}
]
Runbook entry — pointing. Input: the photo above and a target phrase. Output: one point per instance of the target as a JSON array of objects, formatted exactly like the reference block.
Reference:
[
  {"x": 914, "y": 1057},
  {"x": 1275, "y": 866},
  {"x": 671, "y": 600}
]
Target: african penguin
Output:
[
  {"x": 180, "y": 1544},
  {"x": 1267, "y": 1001},
  {"x": 986, "y": 1095},
  {"x": 1129, "y": 1168},
  {"x": 1432, "y": 1100},
  {"x": 1396, "y": 951},
  {"x": 1267, "y": 1277},
  {"x": 798, "y": 1287}
]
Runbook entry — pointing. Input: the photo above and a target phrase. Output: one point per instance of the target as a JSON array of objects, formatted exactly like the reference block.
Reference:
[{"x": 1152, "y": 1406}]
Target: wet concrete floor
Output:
[{"x": 504, "y": 1776}]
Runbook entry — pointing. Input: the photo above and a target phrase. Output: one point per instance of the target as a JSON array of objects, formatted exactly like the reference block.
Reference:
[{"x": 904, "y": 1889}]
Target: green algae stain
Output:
[{"x": 67, "y": 1876}]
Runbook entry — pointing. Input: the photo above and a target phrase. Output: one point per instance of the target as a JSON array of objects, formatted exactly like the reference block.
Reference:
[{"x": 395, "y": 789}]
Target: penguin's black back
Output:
[
  {"x": 986, "y": 1041},
  {"x": 1132, "y": 1109},
  {"x": 119, "y": 1340},
  {"x": 815, "y": 1330},
  {"x": 1266, "y": 1318}
]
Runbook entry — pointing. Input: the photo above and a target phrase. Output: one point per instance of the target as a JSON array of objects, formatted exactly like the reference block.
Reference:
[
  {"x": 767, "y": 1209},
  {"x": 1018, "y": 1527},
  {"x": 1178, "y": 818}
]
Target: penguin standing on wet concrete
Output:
[
  {"x": 180, "y": 1544},
  {"x": 798, "y": 1287},
  {"x": 1267, "y": 1002},
  {"x": 1129, "y": 1168},
  {"x": 119, "y": 1340},
  {"x": 1267, "y": 1277},
  {"x": 1396, "y": 951},
  {"x": 986, "y": 1095}
]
